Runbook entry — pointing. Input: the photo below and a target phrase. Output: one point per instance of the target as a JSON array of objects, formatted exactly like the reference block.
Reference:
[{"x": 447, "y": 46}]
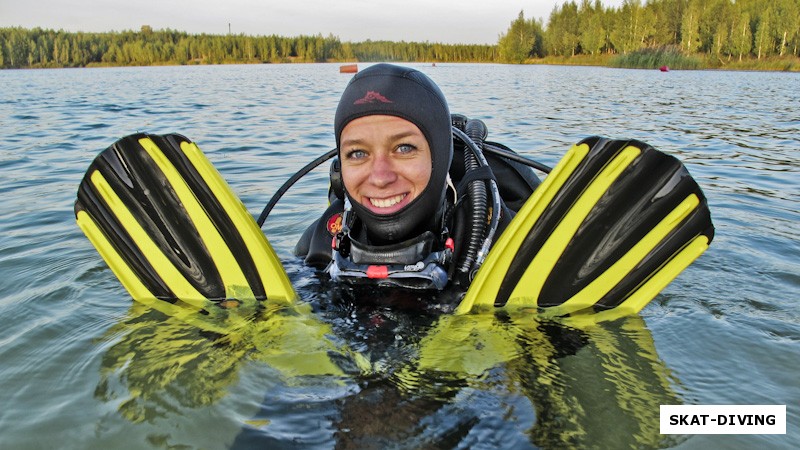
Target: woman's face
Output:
[{"x": 386, "y": 162}]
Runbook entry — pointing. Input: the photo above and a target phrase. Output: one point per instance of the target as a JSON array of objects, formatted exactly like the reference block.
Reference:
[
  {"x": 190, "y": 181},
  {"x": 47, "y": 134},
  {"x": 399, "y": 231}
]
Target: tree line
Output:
[
  {"x": 723, "y": 29},
  {"x": 48, "y": 48}
]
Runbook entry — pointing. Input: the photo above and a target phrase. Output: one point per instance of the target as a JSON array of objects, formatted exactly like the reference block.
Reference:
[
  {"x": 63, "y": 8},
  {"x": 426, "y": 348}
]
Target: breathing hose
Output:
[
  {"x": 476, "y": 196},
  {"x": 291, "y": 181},
  {"x": 481, "y": 231}
]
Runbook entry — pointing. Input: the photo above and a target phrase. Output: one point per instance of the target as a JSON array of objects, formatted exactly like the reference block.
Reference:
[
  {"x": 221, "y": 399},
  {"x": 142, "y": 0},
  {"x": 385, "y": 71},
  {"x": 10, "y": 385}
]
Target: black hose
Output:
[
  {"x": 291, "y": 181},
  {"x": 477, "y": 196},
  {"x": 497, "y": 205},
  {"x": 494, "y": 223},
  {"x": 505, "y": 152}
]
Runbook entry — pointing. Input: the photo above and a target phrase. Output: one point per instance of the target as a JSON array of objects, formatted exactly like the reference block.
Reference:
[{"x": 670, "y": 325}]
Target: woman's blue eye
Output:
[
  {"x": 406, "y": 148},
  {"x": 356, "y": 154}
]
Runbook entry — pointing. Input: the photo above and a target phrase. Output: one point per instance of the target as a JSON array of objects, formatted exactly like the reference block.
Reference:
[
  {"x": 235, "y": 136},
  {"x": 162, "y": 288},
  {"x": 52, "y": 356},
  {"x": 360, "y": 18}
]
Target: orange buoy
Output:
[{"x": 348, "y": 68}]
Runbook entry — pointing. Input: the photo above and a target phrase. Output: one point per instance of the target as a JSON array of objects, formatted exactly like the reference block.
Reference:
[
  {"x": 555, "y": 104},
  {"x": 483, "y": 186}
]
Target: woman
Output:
[{"x": 395, "y": 215}]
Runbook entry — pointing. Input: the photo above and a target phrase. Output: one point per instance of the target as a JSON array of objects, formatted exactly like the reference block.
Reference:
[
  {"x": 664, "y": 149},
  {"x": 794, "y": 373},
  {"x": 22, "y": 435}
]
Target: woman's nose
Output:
[{"x": 382, "y": 171}]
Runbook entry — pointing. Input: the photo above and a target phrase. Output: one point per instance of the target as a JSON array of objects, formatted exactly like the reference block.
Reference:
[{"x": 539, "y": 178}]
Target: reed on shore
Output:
[{"x": 654, "y": 58}]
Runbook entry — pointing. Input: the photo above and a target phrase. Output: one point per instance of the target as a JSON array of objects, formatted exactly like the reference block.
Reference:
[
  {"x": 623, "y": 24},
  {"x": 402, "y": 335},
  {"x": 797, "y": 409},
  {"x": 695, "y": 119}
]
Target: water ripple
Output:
[{"x": 71, "y": 341}]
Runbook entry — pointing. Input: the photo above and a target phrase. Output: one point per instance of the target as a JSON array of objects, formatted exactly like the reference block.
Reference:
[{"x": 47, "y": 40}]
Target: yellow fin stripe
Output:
[
  {"x": 486, "y": 284},
  {"x": 530, "y": 284},
  {"x": 644, "y": 293},
  {"x": 273, "y": 276},
  {"x": 121, "y": 269},
  {"x": 236, "y": 285},
  {"x": 665, "y": 275},
  {"x": 162, "y": 265},
  {"x": 611, "y": 277}
]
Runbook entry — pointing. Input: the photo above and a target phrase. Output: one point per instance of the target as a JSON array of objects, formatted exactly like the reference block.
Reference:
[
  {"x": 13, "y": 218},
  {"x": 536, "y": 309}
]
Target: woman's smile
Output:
[{"x": 387, "y": 202}]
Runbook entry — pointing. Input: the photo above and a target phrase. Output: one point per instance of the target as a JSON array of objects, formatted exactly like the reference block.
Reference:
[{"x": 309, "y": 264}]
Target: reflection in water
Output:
[
  {"x": 414, "y": 378},
  {"x": 599, "y": 387},
  {"x": 164, "y": 363}
]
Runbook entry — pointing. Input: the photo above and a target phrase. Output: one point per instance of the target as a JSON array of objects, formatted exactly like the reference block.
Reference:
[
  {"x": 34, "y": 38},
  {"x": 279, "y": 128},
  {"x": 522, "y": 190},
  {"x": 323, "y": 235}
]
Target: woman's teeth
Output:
[{"x": 386, "y": 202}]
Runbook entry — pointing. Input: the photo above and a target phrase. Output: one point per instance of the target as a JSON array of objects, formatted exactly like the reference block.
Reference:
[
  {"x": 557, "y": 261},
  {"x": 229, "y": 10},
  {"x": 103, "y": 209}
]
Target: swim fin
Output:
[
  {"x": 170, "y": 228},
  {"x": 609, "y": 227}
]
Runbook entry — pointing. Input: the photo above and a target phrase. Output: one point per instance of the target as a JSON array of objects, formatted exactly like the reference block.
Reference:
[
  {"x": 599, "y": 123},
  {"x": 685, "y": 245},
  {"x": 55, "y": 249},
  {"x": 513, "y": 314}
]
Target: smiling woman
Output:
[
  {"x": 393, "y": 219},
  {"x": 395, "y": 147},
  {"x": 386, "y": 162},
  {"x": 370, "y": 102}
]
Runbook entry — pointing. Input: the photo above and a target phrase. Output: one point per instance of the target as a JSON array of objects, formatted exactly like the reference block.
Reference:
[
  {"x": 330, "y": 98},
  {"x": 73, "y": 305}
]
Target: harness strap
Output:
[{"x": 482, "y": 173}]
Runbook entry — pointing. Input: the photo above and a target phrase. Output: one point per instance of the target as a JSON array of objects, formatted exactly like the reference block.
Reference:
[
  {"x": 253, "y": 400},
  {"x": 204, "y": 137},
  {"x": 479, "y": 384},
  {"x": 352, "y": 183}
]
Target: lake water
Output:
[{"x": 83, "y": 367}]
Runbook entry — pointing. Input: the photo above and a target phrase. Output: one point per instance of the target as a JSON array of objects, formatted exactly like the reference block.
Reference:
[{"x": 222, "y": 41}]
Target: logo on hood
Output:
[{"x": 372, "y": 97}]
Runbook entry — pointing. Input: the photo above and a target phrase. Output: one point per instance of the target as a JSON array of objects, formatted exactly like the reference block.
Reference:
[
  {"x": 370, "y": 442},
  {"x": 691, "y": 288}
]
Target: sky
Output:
[{"x": 445, "y": 21}]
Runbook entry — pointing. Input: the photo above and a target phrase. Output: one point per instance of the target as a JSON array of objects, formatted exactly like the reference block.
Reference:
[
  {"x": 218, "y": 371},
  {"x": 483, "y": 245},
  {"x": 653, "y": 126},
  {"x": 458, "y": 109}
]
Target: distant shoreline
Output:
[
  {"x": 43, "y": 49},
  {"x": 765, "y": 65}
]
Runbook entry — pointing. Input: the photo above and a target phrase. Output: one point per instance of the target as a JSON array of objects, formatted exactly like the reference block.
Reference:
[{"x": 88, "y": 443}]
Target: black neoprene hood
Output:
[{"x": 386, "y": 89}]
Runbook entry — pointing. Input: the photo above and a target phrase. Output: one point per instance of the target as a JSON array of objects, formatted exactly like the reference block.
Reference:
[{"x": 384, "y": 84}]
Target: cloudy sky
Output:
[{"x": 448, "y": 21}]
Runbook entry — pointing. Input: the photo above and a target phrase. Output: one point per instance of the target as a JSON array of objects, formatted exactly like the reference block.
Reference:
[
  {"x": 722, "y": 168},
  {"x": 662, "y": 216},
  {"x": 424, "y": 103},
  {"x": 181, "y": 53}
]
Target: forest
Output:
[
  {"x": 701, "y": 33},
  {"x": 711, "y": 33}
]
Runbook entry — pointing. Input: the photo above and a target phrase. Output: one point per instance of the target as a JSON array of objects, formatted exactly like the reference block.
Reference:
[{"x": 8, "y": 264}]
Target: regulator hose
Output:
[
  {"x": 488, "y": 227},
  {"x": 504, "y": 152},
  {"x": 476, "y": 198},
  {"x": 494, "y": 222},
  {"x": 291, "y": 181}
]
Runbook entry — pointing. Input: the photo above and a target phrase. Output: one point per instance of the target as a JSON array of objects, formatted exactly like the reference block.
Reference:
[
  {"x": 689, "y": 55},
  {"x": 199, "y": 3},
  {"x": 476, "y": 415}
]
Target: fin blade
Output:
[
  {"x": 150, "y": 250},
  {"x": 541, "y": 266},
  {"x": 146, "y": 206},
  {"x": 220, "y": 253},
  {"x": 622, "y": 225}
]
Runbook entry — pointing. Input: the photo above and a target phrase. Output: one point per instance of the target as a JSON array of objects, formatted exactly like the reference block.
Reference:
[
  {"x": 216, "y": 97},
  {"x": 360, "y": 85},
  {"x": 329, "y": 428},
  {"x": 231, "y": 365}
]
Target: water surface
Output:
[{"x": 84, "y": 367}]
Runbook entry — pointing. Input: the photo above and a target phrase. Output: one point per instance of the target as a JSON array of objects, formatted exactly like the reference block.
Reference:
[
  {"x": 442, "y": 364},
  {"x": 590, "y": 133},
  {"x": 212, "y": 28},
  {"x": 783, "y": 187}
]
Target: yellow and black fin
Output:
[
  {"x": 170, "y": 228},
  {"x": 609, "y": 227}
]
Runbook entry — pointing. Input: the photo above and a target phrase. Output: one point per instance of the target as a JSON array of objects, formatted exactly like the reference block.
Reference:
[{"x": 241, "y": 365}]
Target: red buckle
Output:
[{"x": 378, "y": 272}]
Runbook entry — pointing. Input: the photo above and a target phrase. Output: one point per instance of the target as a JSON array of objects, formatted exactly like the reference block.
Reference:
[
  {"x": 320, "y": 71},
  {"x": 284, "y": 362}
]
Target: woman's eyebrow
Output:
[
  {"x": 351, "y": 141},
  {"x": 392, "y": 137}
]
